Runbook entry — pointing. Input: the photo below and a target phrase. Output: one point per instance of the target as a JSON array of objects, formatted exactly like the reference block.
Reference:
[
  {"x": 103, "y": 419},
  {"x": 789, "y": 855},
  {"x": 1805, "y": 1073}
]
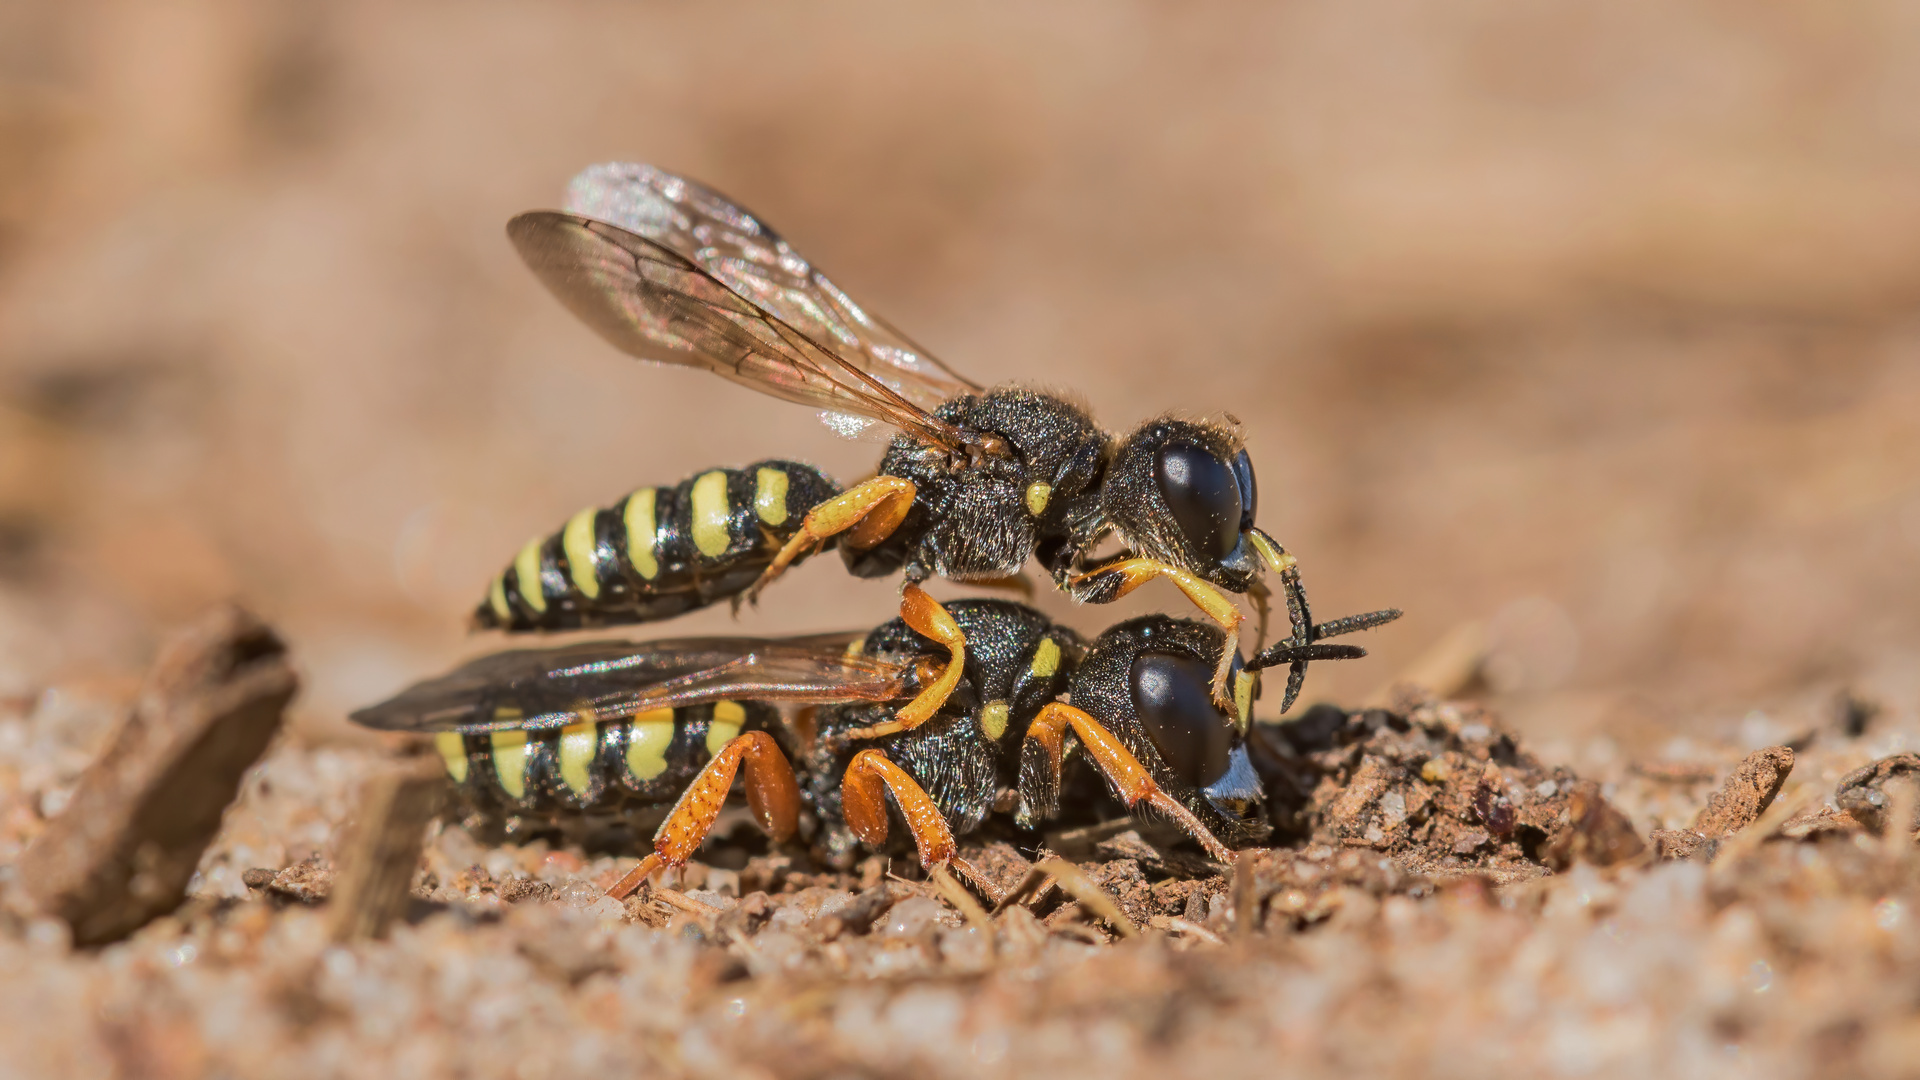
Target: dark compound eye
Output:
[
  {"x": 1170, "y": 697},
  {"x": 1203, "y": 495},
  {"x": 1249, "y": 494}
]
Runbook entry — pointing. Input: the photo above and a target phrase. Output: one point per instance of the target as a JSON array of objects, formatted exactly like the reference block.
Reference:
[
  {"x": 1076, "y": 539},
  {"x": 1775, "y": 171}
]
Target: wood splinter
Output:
[
  {"x": 121, "y": 853},
  {"x": 381, "y": 852}
]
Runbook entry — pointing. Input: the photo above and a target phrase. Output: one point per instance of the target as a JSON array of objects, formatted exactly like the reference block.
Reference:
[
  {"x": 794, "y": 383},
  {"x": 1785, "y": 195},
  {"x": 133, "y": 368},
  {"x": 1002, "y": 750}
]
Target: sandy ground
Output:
[{"x": 1595, "y": 329}]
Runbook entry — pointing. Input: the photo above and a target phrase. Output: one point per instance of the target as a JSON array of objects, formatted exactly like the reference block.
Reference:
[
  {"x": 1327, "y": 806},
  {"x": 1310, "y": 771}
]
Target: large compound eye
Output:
[
  {"x": 1249, "y": 494},
  {"x": 1204, "y": 496},
  {"x": 1170, "y": 695}
]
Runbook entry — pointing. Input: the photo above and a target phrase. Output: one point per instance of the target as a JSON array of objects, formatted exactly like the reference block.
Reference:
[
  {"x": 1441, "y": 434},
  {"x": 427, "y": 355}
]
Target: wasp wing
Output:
[
  {"x": 654, "y": 304},
  {"x": 534, "y": 689},
  {"x": 749, "y": 257}
]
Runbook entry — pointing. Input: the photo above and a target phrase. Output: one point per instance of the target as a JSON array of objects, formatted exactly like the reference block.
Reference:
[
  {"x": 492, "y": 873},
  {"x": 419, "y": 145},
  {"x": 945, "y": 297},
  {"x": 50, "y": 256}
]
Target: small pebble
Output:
[{"x": 911, "y": 916}]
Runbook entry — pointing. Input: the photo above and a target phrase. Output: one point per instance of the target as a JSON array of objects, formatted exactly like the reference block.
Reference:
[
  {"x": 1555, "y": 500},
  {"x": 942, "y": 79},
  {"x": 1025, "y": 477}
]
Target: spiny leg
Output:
[
  {"x": 929, "y": 619},
  {"x": 772, "y": 795},
  {"x": 868, "y": 513},
  {"x": 870, "y": 776},
  {"x": 1108, "y": 583},
  {"x": 1117, "y": 763}
]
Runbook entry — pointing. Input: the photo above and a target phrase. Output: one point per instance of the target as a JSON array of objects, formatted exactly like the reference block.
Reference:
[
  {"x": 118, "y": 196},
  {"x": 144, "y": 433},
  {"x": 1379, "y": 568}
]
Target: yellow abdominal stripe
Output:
[
  {"x": 770, "y": 496},
  {"x": 641, "y": 527},
  {"x": 453, "y": 750},
  {"x": 526, "y": 567},
  {"x": 648, "y": 737},
  {"x": 727, "y": 718},
  {"x": 497, "y": 598},
  {"x": 578, "y": 745},
  {"x": 577, "y": 541},
  {"x": 510, "y": 761},
  {"x": 710, "y": 514}
]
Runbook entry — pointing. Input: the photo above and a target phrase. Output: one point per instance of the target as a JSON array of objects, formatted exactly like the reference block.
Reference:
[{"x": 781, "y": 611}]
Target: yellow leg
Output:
[
  {"x": 1122, "y": 769},
  {"x": 1111, "y": 582},
  {"x": 867, "y": 512},
  {"x": 930, "y": 619}
]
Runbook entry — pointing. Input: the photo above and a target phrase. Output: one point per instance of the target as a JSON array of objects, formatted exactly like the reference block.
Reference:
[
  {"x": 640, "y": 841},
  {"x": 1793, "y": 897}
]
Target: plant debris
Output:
[
  {"x": 123, "y": 849},
  {"x": 1431, "y": 870}
]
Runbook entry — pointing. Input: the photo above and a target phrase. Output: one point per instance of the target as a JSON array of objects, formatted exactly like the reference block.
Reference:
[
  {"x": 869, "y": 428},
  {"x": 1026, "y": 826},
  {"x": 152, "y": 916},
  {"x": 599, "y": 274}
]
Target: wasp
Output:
[
  {"x": 973, "y": 484},
  {"x": 616, "y": 725}
]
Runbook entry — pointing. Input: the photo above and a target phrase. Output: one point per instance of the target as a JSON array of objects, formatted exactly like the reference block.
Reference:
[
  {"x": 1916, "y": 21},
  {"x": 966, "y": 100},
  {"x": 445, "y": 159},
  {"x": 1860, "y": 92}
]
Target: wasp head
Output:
[{"x": 1183, "y": 493}]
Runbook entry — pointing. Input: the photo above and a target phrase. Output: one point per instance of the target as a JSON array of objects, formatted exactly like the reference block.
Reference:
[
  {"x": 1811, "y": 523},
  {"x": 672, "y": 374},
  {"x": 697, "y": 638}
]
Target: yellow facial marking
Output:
[
  {"x": 577, "y": 542},
  {"x": 1037, "y": 495},
  {"x": 770, "y": 496},
  {"x": 578, "y": 744},
  {"x": 497, "y": 598},
  {"x": 639, "y": 519},
  {"x": 526, "y": 567},
  {"x": 710, "y": 513},
  {"x": 1243, "y": 684},
  {"x": 1046, "y": 658},
  {"x": 648, "y": 737},
  {"x": 857, "y": 645},
  {"x": 727, "y": 718},
  {"x": 510, "y": 761},
  {"x": 993, "y": 719},
  {"x": 453, "y": 750}
]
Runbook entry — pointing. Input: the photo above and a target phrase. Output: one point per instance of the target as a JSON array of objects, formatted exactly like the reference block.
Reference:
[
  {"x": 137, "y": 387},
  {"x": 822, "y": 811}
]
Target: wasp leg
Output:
[
  {"x": 863, "y": 801},
  {"x": 1108, "y": 583},
  {"x": 772, "y": 795},
  {"x": 868, "y": 513},
  {"x": 930, "y": 619},
  {"x": 1124, "y": 771},
  {"x": 1262, "y": 598}
]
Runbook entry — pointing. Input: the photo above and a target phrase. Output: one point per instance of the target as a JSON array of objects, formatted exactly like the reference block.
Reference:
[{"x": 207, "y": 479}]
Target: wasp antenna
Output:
[
  {"x": 1353, "y": 623},
  {"x": 1285, "y": 652}
]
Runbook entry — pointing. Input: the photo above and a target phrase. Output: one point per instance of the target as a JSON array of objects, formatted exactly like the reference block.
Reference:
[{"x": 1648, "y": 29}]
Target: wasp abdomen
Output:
[
  {"x": 657, "y": 552},
  {"x": 595, "y": 765}
]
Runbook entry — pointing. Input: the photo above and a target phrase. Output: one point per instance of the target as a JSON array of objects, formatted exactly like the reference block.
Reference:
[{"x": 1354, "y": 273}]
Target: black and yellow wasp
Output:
[
  {"x": 615, "y": 726},
  {"x": 974, "y": 482}
]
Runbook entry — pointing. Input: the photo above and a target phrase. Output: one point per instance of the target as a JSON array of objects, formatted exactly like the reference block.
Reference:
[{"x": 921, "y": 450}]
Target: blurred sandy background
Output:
[{"x": 1596, "y": 323}]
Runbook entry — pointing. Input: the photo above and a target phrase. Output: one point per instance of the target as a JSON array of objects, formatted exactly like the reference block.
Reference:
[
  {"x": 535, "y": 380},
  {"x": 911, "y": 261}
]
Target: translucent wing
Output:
[
  {"x": 744, "y": 254},
  {"x": 655, "y": 304},
  {"x": 534, "y": 689}
]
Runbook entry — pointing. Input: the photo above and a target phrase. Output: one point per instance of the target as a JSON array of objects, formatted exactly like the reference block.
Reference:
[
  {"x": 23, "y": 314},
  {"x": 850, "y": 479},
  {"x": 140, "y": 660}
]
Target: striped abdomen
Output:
[
  {"x": 658, "y": 552},
  {"x": 596, "y": 765}
]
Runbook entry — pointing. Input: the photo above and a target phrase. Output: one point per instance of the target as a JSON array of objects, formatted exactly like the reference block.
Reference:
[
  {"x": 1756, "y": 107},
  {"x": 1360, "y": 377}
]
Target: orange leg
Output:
[
  {"x": 1108, "y": 583},
  {"x": 1122, "y": 769},
  {"x": 772, "y": 795},
  {"x": 863, "y": 801},
  {"x": 930, "y": 619},
  {"x": 867, "y": 512}
]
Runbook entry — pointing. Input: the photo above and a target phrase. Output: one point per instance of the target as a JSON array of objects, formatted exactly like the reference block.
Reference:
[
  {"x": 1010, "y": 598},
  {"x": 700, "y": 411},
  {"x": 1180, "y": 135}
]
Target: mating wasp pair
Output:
[
  {"x": 612, "y": 726},
  {"x": 974, "y": 482}
]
